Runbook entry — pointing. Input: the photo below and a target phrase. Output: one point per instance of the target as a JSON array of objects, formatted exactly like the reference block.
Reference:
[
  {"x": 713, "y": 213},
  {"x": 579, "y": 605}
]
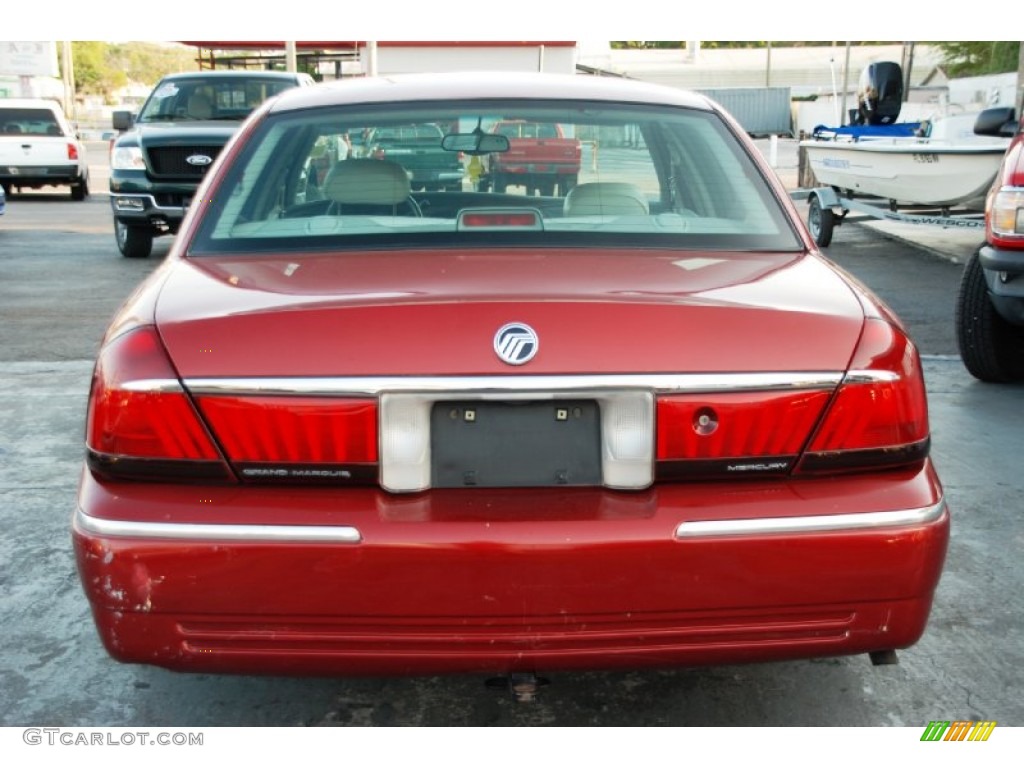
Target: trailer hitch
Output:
[{"x": 522, "y": 686}]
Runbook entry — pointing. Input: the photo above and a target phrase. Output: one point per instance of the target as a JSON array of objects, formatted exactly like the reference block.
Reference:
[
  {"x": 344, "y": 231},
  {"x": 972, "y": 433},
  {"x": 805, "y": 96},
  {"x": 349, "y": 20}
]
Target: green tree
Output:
[{"x": 967, "y": 59}]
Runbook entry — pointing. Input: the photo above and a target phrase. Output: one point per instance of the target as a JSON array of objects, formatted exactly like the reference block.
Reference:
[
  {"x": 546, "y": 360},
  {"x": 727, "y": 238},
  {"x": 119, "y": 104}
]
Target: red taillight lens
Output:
[
  {"x": 138, "y": 411},
  {"x": 736, "y": 425},
  {"x": 72, "y": 151},
  {"x": 880, "y": 413},
  {"x": 294, "y": 430}
]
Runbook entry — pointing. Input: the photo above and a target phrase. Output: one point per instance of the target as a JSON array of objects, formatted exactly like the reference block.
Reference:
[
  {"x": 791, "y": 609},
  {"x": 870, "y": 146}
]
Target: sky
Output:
[{"x": 525, "y": 20}]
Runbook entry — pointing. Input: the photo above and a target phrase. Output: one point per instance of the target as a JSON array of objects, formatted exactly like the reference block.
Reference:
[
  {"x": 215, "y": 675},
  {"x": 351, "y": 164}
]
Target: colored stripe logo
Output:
[{"x": 958, "y": 730}]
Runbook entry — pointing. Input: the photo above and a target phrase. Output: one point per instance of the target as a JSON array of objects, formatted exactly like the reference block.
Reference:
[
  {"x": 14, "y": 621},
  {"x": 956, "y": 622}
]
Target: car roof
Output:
[
  {"x": 234, "y": 74},
  {"x": 487, "y": 85},
  {"x": 31, "y": 104}
]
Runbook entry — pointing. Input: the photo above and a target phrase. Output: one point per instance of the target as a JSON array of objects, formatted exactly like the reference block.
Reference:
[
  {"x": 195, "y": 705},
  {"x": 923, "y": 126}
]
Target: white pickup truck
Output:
[{"x": 39, "y": 148}]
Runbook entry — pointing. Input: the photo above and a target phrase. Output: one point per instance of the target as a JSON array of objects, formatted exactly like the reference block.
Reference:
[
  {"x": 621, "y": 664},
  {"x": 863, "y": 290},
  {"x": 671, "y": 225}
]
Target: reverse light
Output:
[
  {"x": 1004, "y": 212},
  {"x": 140, "y": 421},
  {"x": 1007, "y": 213}
]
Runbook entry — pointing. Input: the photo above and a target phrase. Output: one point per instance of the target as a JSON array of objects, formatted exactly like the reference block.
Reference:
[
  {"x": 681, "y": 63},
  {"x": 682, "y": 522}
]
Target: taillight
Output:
[
  {"x": 734, "y": 433},
  {"x": 1005, "y": 205},
  {"x": 72, "y": 151},
  {"x": 141, "y": 423},
  {"x": 283, "y": 438},
  {"x": 879, "y": 416}
]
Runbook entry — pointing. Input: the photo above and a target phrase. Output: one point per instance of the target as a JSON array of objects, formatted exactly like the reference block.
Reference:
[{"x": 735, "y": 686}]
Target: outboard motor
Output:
[{"x": 880, "y": 93}]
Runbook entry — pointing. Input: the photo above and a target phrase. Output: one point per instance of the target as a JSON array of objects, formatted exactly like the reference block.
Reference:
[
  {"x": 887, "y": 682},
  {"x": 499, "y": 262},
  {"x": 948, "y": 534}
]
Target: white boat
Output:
[{"x": 947, "y": 166}]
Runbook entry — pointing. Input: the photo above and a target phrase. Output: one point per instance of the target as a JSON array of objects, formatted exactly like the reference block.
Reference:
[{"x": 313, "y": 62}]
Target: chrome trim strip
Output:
[
  {"x": 150, "y": 202},
  {"x": 870, "y": 377},
  {"x": 152, "y": 385},
  {"x": 685, "y": 383},
  {"x": 320, "y": 534},
  {"x": 811, "y": 524}
]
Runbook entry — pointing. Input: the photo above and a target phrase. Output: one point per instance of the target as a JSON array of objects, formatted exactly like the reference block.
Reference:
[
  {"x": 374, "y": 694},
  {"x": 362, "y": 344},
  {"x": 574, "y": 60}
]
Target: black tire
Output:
[
  {"x": 80, "y": 190},
  {"x": 546, "y": 188},
  {"x": 500, "y": 183},
  {"x": 133, "y": 242},
  {"x": 566, "y": 183},
  {"x": 992, "y": 349},
  {"x": 820, "y": 221}
]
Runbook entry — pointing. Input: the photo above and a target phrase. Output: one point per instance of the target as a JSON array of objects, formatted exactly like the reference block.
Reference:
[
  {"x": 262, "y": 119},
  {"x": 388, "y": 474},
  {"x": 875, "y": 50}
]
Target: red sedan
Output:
[{"x": 349, "y": 428}]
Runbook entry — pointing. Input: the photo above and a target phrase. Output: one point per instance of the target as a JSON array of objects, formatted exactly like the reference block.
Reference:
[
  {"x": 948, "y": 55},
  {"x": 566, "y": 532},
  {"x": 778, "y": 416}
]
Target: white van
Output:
[{"x": 39, "y": 148}]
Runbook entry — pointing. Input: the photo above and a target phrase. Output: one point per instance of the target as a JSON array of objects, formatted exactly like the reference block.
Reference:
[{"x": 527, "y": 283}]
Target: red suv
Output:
[{"x": 990, "y": 305}]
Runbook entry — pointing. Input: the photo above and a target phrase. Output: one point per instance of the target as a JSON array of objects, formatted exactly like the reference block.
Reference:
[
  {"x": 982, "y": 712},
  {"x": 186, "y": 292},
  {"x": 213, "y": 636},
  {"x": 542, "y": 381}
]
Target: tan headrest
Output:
[
  {"x": 367, "y": 182},
  {"x": 199, "y": 106},
  {"x": 609, "y": 198}
]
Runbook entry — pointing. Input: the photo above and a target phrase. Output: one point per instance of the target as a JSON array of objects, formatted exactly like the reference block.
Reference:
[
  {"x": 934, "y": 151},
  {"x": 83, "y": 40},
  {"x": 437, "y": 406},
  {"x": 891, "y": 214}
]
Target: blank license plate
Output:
[{"x": 527, "y": 444}]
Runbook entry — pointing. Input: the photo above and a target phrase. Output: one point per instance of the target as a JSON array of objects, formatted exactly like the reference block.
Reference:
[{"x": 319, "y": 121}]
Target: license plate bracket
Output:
[{"x": 515, "y": 444}]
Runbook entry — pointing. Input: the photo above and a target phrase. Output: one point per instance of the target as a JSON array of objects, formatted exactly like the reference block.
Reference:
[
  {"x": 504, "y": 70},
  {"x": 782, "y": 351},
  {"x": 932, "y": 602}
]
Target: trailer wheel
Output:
[
  {"x": 820, "y": 221},
  {"x": 992, "y": 349}
]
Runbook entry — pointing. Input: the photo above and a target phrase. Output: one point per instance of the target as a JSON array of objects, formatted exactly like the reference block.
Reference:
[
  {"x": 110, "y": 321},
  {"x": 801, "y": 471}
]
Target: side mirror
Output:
[
  {"x": 123, "y": 120},
  {"x": 997, "y": 121}
]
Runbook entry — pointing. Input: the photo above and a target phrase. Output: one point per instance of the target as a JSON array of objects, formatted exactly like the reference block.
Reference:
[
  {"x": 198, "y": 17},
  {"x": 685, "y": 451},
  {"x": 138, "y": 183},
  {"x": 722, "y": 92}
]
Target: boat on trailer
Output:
[
  {"x": 943, "y": 164},
  {"x": 943, "y": 167}
]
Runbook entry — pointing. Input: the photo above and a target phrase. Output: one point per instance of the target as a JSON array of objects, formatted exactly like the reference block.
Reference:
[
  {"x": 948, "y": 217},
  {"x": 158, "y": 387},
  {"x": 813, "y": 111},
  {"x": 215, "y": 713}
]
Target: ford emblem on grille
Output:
[
  {"x": 198, "y": 159},
  {"x": 516, "y": 343}
]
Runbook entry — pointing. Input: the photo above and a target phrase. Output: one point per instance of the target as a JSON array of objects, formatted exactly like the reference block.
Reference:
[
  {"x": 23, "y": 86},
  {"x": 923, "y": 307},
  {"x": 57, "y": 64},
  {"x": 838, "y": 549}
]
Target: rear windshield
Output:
[
  {"x": 451, "y": 173},
  {"x": 17, "y": 121},
  {"x": 209, "y": 99}
]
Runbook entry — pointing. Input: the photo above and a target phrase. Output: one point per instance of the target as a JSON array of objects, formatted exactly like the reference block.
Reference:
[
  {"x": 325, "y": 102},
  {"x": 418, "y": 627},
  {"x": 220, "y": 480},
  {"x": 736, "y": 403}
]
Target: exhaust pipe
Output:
[{"x": 879, "y": 658}]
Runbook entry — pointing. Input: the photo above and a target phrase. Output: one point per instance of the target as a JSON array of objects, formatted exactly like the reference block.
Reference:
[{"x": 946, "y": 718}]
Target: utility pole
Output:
[
  {"x": 910, "y": 67},
  {"x": 68, "y": 77},
  {"x": 1020, "y": 82}
]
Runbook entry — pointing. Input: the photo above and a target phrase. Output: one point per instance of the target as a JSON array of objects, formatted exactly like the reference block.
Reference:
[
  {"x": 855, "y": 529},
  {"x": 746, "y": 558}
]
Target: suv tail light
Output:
[
  {"x": 879, "y": 415},
  {"x": 72, "y": 151},
  {"x": 141, "y": 423},
  {"x": 1005, "y": 209}
]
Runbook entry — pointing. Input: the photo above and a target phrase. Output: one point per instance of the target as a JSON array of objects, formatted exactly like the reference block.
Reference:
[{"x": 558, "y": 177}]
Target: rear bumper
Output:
[
  {"x": 39, "y": 176},
  {"x": 324, "y": 581},
  {"x": 1004, "y": 268},
  {"x": 135, "y": 200}
]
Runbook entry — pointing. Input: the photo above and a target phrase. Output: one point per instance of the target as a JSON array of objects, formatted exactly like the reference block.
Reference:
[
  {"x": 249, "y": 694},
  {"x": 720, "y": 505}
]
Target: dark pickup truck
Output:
[
  {"x": 540, "y": 158},
  {"x": 417, "y": 148},
  {"x": 162, "y": 154}
]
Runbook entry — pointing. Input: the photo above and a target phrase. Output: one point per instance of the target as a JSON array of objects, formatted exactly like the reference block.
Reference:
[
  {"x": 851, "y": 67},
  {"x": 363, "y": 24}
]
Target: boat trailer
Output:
[{"x": 828, "y": 208}]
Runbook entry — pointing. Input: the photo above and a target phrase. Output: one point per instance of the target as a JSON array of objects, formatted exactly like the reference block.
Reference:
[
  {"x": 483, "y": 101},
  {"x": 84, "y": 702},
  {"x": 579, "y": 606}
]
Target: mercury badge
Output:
[{"x": 516, "y": 343}]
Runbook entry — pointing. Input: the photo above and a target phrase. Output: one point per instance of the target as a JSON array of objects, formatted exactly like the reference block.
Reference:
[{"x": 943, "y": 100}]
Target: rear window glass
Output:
[
  {"x": 209, "y": 98},
  {"x": 17, "y": 121},
  {"x": 587, "y": 174}
]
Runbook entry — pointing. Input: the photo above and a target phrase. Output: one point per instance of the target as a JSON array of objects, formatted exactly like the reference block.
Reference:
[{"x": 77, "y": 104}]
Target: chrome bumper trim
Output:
[
  {"x": 320, "y": 534},
  {"x": 149, "y": 201},
  {"x": 697, "y": 529},
  {"x": 658, "y": 383}
]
